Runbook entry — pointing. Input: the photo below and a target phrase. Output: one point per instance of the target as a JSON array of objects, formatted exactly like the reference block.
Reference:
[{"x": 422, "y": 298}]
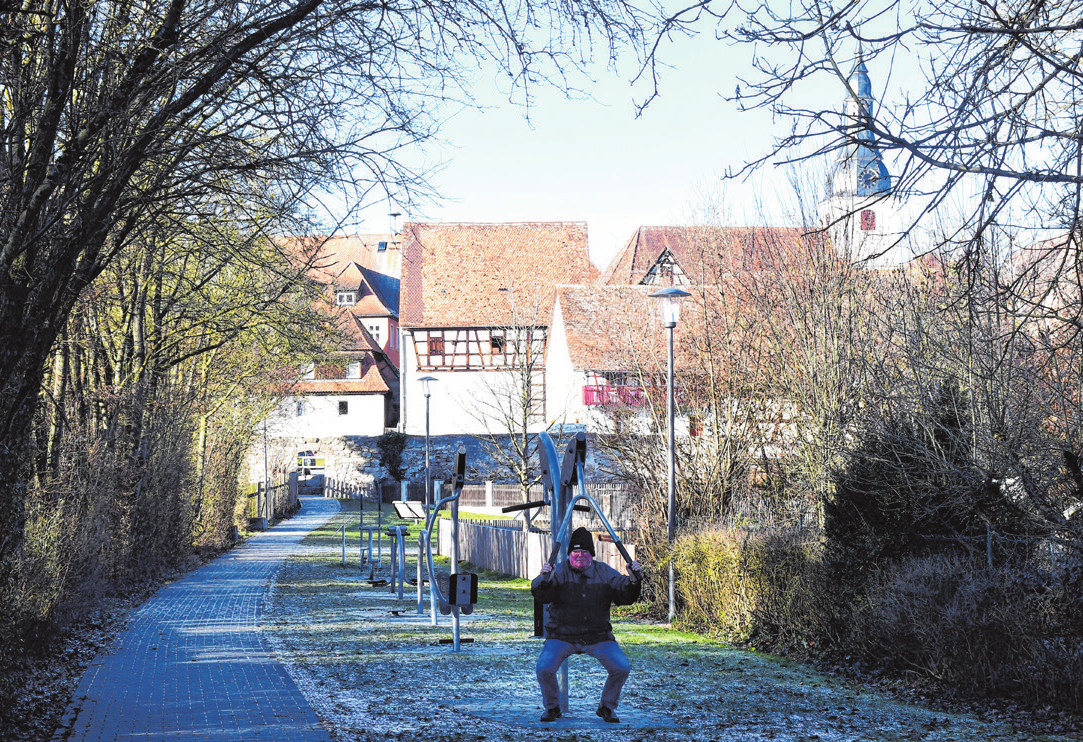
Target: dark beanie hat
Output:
[{"x": 581, "y": 539}]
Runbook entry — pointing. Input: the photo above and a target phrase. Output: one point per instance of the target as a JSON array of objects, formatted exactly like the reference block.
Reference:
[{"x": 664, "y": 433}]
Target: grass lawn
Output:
[{"x": 373, "y": 668}]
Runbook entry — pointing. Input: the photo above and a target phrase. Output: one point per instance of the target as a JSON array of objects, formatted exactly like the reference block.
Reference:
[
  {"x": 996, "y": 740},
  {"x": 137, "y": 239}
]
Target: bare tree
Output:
[
  {"x": 979, "y": 120},
  {"x": 118, "y": 114}
]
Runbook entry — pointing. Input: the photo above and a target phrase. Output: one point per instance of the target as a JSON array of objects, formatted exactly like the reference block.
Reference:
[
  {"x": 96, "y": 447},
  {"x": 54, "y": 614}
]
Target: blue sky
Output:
[{"x": 595, "y": 161}]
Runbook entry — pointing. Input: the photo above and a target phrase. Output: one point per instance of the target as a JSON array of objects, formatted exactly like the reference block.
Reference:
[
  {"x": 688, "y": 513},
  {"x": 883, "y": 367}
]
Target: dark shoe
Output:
[
  {"x": 551, "y": 714},
  {"x": 607, "y": 714}
]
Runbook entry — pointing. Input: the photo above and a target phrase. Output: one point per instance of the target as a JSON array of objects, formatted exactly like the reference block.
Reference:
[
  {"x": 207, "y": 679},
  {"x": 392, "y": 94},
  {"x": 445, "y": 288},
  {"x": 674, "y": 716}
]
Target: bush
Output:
[
  {"x": 761, "y": 587},
  {"x": 714, "y": 590},
  {"x": 391, "y": 445},
  {"x": 1000, "y": 633},
  {"x": 911, "y": 477}
]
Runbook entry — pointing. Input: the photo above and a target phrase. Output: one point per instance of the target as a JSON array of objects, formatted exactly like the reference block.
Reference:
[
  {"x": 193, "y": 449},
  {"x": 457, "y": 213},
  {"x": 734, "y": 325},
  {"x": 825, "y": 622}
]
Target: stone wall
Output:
[{"x": 355, "y": 460}]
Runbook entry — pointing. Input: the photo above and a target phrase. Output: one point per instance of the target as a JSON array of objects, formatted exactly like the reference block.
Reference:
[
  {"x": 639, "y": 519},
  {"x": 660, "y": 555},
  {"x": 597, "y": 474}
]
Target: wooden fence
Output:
[
  {"x": 281, "y": 497},
  {"x": 338, "y": 490},
  {"x": 513, "y": 551}
]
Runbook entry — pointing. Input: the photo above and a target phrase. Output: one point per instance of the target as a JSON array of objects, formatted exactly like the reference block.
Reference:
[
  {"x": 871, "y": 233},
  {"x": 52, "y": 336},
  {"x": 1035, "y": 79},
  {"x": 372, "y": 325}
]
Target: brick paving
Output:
[{"x": 193, "y": 664}]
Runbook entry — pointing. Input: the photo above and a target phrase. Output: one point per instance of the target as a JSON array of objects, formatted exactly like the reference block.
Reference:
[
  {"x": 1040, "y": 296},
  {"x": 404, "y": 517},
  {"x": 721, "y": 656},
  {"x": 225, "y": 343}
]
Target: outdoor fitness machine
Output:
[
  {"x": 366, "y": 534},
  {"x": 398, "y": 558},
  {"x": 365, "y": 552},
  {"x": 560, "y": 476},
  {"x": 462, "y": 586}
]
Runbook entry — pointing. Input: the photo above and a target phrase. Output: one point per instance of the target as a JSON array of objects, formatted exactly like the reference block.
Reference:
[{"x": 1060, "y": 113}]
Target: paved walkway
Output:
[{"x": 193, "y": 665}]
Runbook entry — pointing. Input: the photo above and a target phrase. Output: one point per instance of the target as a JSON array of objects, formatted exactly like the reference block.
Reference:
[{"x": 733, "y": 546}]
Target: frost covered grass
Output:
[{"x": 374, "y": 669}]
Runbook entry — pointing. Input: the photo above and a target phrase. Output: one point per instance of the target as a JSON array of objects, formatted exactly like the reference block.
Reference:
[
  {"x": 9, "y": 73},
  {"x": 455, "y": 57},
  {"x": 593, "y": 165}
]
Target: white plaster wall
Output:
[
  {"x": 455, "y": 404},
  {"x": 886, "y": 242},
  {"x": 321, "y": 418},
  {"x": 454, "y": 407},
  {"x": 561, "y": 403},
  {"x": 564, "y": 384}
]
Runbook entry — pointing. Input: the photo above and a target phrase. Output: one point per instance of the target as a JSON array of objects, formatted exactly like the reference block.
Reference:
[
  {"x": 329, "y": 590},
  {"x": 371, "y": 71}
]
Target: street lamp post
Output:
[
  {"x": 426, "y": 382},
  {"x": 671, "y": 311}
]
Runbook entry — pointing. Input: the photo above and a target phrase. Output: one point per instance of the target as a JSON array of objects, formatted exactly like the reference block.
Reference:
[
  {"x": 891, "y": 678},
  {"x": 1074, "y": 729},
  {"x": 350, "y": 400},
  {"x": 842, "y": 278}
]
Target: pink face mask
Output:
[{"x": 579, "y": 559}]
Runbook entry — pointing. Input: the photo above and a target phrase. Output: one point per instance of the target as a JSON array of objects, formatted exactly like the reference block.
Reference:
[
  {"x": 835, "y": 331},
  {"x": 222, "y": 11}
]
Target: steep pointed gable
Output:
[
  {"x": 657, "y": 255},
  {"x": 371, "y": 294},
  {"x": 349, "y": 277},
  {"x": 486, "y": 275},
  {"x": 384, "y": 292},
  {"x": 682, "y": 255}
]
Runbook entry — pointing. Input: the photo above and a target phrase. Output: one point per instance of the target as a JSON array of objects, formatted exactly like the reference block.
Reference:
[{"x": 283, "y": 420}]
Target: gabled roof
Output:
[
  {"x": 371, "y": 382},
  {"x": 598, "y": 320},
  {"x": 358, "y": 338},
  {"x": 378, "y": 252},
  {"x": 618, "y": 328},
  {"x": 487, "y": 275},
  {"x": 329, "y": 255},
  {"x": 378, "y": 376},
  {"x": 379, "y": 294},
  {"x": 704, "y": 254}
]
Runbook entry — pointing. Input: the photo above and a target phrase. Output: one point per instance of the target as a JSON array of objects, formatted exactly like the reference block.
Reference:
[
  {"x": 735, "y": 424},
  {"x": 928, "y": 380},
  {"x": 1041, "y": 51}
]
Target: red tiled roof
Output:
[
  {"x": 599, "y": 320},
  {"x": 338, "y": 251},
  {"x": 370, "y": 383},
  {"x": 617, "y": 328},
  {"x": 705, "y": 254},
  {"x": 486, "y": 275},
  {"x": 357, "y": 335},
  {"x": 370, "y": 302}
]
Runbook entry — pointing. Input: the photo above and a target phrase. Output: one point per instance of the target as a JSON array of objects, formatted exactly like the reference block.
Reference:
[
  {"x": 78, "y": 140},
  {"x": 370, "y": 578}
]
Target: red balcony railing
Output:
[{"x": 603, "y": 394}]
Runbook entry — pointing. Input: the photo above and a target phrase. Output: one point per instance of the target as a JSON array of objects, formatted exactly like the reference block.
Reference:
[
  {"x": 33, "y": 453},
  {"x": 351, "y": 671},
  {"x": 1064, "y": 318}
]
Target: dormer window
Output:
[
  {"x": 345, "y": 298},
  {"x": 353, "y": 370}
]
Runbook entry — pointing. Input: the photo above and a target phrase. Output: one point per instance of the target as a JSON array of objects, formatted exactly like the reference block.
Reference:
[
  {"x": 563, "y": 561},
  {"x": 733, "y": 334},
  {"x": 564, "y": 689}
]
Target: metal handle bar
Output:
[
  {"x": 523, "y": 506},
  {"x": 558, "y": 535},
  {"x": 457, "y": 482},
  {"x": 548, "y": 459},
  {"x": 537, "y": 504}
]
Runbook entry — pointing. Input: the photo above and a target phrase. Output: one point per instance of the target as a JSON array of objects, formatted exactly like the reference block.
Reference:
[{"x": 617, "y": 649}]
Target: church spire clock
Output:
[{"x": 859, "y": 211}]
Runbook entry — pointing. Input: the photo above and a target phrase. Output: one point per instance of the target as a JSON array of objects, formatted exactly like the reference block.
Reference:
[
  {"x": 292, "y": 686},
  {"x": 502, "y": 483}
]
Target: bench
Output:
[{"x": 414, "y": 511}]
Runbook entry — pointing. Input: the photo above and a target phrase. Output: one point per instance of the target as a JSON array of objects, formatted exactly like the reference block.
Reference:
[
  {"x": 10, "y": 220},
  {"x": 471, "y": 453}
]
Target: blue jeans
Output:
[{"x": 612, "y": 657}]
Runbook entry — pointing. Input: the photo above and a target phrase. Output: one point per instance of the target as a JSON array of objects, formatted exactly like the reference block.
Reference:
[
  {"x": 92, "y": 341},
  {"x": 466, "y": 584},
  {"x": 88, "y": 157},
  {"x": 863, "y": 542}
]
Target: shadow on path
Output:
[{"x": 193, "y": 664}]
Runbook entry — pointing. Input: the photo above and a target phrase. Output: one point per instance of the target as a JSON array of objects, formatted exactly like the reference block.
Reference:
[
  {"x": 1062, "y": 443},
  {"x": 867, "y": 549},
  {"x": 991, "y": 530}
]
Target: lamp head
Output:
[
  {"x": 426, "y": 381},
  {"x": 669, "y": 300}
]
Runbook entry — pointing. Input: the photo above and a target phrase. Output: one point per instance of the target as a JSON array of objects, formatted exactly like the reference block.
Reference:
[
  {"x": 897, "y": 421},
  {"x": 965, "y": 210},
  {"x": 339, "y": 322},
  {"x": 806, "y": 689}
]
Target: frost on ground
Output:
[{"x": 373, "y": 669}]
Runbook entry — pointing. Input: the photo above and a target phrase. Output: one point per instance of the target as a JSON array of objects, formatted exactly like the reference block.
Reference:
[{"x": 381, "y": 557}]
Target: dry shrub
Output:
[
  {"x": 220, "y": 498},
  {"x": 81, "y": 519},
  {"x": 761, "y": 587},
  {"x": 1008, "y": 632},
  {"x": 714, "y": 591},
  {"x": 111, "y": 515}
]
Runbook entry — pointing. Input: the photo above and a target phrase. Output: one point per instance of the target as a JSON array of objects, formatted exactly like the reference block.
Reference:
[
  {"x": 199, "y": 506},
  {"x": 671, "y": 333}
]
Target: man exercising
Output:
[{"x": 579, "y": 593}]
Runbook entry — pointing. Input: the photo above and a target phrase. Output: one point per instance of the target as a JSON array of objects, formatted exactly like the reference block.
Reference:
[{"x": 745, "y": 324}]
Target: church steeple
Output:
[
  {"x": 860, "y": 170},
  {"x": 860, "y": 212}
]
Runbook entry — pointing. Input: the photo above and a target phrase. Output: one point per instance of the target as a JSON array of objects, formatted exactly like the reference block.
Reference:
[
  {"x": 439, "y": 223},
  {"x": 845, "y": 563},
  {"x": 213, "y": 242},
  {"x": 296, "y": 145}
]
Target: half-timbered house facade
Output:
[{"x": 476, "y": 306}]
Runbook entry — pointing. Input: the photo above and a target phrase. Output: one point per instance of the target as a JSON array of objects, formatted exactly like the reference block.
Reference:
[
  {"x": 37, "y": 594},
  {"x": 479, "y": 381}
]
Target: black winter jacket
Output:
[{"x": 578, "y": 602}]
